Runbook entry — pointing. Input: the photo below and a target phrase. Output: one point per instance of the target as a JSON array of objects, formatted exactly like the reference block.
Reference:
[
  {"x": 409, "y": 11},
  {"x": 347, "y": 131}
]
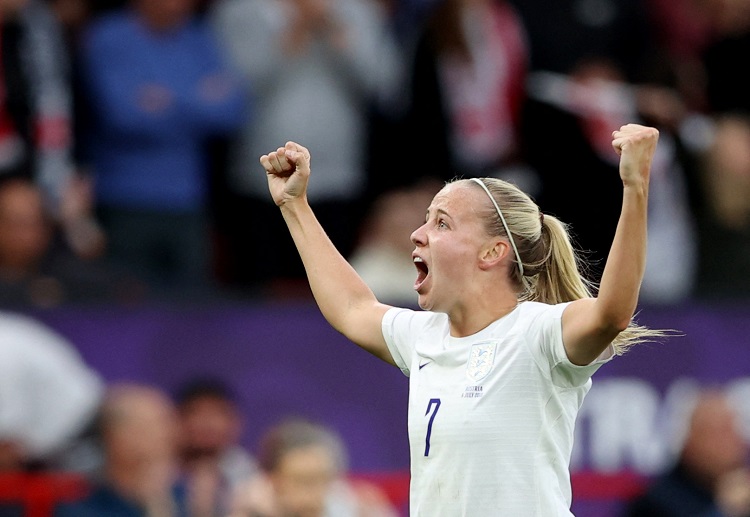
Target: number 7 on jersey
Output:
[{"x": 436, "y": 403}]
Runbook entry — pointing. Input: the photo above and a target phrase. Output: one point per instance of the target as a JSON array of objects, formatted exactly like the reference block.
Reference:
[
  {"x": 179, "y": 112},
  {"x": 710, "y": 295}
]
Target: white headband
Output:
[{"x": 505, "y": 225}]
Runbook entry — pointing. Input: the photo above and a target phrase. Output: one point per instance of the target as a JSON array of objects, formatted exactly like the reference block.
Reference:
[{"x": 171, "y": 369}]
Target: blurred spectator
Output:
[
  {"x": 138, "y": 430},
  {"x": 467, "y": 80},
  {"x": 50, "y": 398},
  {"x": 214, "y": 464},
  {"x": 157, "y": 90},
  {"x": 38, "y": 269},
  {"x": 724, "y": 221},
  {"x": 595, "y": 65},
  {"x": 382, "y": 256},
  {"x": 36, "y": 140},
  {"x": 583, "y": 107},
  {"x": 705, "y": 41},
  {"x": 711, "y": 476},
  {"x": 724, "y": 218},
  {"x": 315, "y": 68},
  {"x": 304, "y": 475}
]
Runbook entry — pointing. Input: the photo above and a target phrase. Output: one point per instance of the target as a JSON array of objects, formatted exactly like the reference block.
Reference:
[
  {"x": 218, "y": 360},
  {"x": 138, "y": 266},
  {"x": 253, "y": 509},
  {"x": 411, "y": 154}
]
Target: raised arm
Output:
[
  {"x": 344, "y": 299},
  {"x": 590, "y": 325}
]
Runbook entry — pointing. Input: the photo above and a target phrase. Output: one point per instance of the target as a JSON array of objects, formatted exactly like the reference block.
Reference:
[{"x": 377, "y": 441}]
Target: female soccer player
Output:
[{"x": 501, "y": 356}]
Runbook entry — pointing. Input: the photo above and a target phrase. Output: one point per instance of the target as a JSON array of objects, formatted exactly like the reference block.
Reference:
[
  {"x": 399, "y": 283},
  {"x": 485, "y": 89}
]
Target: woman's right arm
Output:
[{"x": 345, "y": 300}]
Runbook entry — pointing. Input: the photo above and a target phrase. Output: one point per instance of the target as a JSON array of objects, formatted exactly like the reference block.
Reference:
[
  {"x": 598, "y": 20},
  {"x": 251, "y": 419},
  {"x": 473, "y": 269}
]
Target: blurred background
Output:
[{"x": 160, "y": 352}]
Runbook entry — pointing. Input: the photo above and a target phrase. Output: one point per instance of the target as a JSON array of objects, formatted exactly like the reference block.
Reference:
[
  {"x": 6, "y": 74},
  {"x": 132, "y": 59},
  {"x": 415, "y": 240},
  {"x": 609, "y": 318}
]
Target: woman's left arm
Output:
[{"x": 590, "y": 325}]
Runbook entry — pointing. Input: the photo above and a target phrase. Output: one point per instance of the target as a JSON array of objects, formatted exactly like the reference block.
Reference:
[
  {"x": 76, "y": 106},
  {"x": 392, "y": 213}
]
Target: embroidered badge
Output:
[{"x": 481, "y": 360}]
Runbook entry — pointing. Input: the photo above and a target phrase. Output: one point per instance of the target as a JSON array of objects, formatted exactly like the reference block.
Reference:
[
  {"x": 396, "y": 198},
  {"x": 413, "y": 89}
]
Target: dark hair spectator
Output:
[
  {"x": 38, "y": 268},
  {"x": 214, "y": 462}
]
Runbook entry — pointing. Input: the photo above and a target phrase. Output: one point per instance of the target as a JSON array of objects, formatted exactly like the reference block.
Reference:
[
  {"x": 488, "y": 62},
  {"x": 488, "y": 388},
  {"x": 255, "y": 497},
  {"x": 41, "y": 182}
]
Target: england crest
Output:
[{"x": 481, "y": 360}]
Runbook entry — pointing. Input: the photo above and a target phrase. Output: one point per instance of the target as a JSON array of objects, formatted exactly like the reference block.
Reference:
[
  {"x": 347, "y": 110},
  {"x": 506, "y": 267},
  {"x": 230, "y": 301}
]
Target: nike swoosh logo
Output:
[{"x": 424, "y": 364}]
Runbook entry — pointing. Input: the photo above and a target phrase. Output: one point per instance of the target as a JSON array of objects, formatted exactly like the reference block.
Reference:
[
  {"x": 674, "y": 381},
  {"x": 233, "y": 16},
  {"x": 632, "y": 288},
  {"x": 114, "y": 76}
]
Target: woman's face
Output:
[{"x": 448, "y": 248}]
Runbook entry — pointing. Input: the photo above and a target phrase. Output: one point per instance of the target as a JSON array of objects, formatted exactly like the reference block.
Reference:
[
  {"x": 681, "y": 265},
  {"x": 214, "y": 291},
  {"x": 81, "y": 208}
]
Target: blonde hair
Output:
[{"x": 552, "y": 269}]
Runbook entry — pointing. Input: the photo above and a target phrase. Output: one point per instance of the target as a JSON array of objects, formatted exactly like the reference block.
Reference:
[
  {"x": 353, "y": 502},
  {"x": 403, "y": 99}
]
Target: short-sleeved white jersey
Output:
[{"x": 491, "y": 415}]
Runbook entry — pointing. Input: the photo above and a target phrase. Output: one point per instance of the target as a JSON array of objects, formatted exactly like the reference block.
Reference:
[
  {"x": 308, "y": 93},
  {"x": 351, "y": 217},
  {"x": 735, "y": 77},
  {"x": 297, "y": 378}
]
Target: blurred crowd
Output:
[
  {"x": 130, "y": 132},
  {"x": 138, "y": 449},
  {"x": 142, "y": 451}
]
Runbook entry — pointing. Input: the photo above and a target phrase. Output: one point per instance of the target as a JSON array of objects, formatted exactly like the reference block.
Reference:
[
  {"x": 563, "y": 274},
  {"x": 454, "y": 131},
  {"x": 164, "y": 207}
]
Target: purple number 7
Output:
[{"x": 429, "y": 425}]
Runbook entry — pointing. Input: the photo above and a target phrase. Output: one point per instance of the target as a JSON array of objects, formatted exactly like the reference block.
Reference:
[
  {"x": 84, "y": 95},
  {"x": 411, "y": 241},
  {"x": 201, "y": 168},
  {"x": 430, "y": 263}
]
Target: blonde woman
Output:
[{"x": 501, "y": 356}]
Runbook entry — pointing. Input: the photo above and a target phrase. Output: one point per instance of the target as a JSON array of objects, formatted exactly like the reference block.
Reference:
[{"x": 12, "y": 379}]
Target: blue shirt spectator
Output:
[{"x": 157, "y": 90}]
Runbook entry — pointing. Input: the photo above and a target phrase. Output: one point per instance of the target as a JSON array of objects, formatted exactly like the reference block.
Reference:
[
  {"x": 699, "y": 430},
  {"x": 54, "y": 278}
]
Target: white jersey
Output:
[{"x": 491, "y": 415}]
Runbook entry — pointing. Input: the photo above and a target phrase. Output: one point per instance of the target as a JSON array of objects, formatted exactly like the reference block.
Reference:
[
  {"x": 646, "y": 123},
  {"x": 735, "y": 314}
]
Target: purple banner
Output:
[{"x": 284, "y": 358}]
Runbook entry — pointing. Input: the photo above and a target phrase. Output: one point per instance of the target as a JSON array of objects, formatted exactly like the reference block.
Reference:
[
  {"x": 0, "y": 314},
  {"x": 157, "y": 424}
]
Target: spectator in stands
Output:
[
  {"x": 139, "y": 477},
  {"x": 50, "y": 398},
  {"x": 593, "y": 69},
  {"x": 712, "y": 475},
  {"x": 214, "y": 463},
  {"x": 304, "y": 475},
  {"x": 158, "y": 90},
  {"x": 315, "y": 69},
  {"x": 467, "y": 79},
  {"x": 38, "y": 268},
  {"x": 36, "y": 136},
  {"x": 724, "y": 215}
]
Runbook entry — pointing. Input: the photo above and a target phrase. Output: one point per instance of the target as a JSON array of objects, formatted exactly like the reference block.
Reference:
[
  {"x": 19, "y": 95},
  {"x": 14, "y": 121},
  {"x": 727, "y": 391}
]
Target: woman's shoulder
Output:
[
  {"x": 419, "y": 314},
  {"x": 534, "y": 307},
  {"x": 416, "y": 318},
  {"x": 534, "y": 310}
]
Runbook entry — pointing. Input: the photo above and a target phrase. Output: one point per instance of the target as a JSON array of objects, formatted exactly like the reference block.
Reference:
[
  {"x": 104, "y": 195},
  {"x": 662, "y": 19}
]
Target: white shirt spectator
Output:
[{"x": 48, "y": 395}]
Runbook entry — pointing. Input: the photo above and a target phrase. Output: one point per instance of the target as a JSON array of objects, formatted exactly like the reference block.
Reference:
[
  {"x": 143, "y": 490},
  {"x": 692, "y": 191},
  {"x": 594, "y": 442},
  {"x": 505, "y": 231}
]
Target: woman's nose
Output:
[{"x": 418, "y": 236}]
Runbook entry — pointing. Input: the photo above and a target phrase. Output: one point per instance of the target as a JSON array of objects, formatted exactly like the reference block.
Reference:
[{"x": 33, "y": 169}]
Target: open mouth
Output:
[{"x": 422, "y": 272}]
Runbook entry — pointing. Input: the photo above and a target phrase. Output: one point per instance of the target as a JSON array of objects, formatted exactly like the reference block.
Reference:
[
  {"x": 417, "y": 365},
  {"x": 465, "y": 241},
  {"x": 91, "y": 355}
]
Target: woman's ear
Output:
[{"x": 493, "y": 254}]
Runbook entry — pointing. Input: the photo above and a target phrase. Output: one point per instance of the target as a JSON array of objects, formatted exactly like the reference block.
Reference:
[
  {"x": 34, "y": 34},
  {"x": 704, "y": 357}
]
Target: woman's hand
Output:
[
  {"x": 635, "y": 144},
  {"x": 288, "y": 170}
]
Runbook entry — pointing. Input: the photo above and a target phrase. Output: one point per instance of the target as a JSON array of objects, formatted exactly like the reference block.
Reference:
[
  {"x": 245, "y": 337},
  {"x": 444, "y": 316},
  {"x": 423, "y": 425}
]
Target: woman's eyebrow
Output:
[{"x": 442, "y": 211}]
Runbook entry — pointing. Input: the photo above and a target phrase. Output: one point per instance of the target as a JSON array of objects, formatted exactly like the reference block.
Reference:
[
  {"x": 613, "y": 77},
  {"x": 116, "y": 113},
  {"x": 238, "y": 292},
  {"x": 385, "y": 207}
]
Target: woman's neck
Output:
[{"x": 479, "y": 316}]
